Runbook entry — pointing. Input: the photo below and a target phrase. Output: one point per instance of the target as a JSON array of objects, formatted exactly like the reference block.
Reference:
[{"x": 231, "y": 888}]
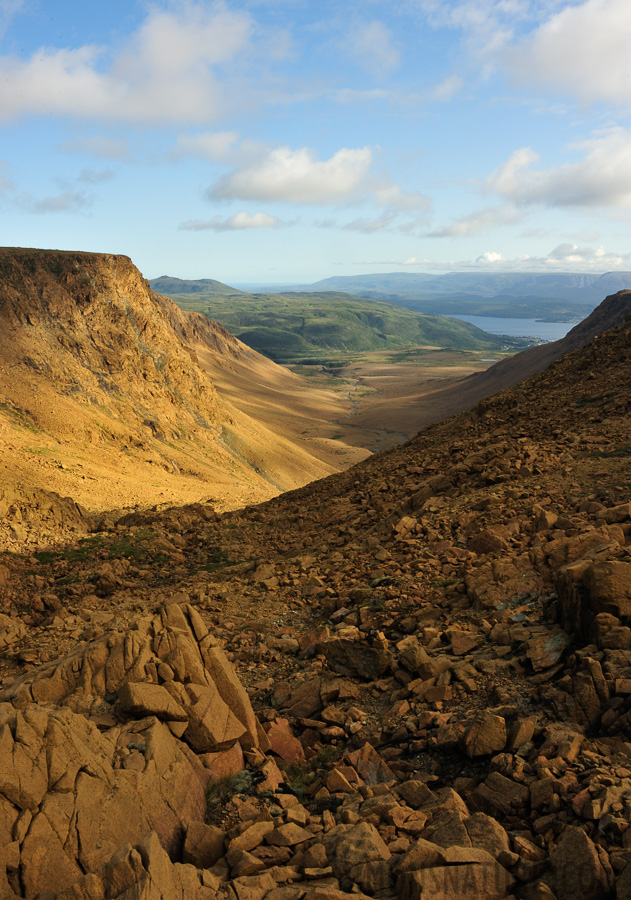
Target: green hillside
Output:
[
  {"x": 172, "y": 287},
  {"x": 294, "y": 327}
]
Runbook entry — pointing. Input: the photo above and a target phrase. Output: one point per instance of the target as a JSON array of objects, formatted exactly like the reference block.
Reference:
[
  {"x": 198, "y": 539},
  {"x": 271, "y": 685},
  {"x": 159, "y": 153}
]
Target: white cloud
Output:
[
  {"x": 478, "y": 221},
  {"x": 211, "y": 145},
  {"x": 446, "y": 89},
  {"x": 507, "y": 179},
  {"x": 395, "y": 198},
  {"x": 369, "y": 226},
  {"x": 602, "y": 178},
  {"x": 487, "y": 24},
  {"x": 491, "y": 257},
  {"x": 237, "y": 222},
  {"x": 164, "y": 74},
  {"x": 295, "y": 176},
  {"x": 372, "y": 45},
  {"x": 564, "y": 258},
  {"x": 583, "y": 50},
  {"x": 413, "y": 225},
  {"x": 574, "y": 253}
]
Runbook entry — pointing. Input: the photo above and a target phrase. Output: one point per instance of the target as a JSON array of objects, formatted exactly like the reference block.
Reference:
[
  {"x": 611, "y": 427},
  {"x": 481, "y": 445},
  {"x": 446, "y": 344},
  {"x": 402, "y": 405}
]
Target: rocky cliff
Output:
[
  {"x": 436, "y": 649},
  {"x": 106, "y": 394}
]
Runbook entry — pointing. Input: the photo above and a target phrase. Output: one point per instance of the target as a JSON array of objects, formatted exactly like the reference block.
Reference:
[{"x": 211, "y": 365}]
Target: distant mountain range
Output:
[{"x": 554, "y": 296}]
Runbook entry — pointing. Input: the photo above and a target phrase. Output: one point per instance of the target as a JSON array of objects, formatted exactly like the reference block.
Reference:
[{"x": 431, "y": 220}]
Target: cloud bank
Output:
[{"x": 164, "y": 73}]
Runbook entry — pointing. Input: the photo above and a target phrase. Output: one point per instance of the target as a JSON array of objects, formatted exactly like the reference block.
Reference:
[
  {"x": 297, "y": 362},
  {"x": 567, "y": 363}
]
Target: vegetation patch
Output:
[
  {"x": 217, "y": 559},
  {"x": 619, "y": 453},
  {"x": 595, "y": 399},
  {"x": 131, "y": 546},
  {"x": 329, "y": 328},
  {"x": 220, "y": 792}
]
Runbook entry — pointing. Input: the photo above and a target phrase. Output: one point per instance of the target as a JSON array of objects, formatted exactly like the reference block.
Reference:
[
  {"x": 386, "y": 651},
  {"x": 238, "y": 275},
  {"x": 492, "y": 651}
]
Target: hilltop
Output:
[
  {"x": 168, "y": 285},
  {"x": 436, "y": 650},
  {"x": 107, "y": 395}
]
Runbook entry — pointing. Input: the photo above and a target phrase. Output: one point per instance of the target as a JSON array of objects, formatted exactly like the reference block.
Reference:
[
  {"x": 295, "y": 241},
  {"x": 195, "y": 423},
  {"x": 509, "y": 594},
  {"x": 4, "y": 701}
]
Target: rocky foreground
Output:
[{"x": 409, "y": 680}]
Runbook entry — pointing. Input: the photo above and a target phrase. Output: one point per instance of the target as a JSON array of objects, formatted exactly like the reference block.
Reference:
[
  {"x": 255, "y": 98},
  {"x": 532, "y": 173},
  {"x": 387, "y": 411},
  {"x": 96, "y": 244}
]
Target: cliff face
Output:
[
  {"x": 90, "y": 322},
  {"x": 103, "y": 395}
]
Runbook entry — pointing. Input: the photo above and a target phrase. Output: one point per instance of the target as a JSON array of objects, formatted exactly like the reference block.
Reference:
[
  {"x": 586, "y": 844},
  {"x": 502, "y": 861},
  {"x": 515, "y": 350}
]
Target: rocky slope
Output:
[
  {"x": 509, "y": 372},
  {"x": 104, "y": 396},
  {"x": 436, "y": 648}
]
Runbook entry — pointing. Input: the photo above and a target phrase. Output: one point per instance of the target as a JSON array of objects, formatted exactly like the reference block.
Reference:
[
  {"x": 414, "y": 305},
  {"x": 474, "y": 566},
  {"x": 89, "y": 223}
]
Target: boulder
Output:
[
  {"x": 354, "y": 659},
  {"x": 577, "y": 869},
  {"x": 587, "y": 589},
  {"x": 485, "y": 735},
  {"x": 475, "y": 881}
]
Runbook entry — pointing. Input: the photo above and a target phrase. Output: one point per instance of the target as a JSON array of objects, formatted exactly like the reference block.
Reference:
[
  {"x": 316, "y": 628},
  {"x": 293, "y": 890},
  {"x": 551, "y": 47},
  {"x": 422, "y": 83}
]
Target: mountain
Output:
[
  {"x": 107, "y": 395},
  {"x": 318, "y": 327},
  {"x": 410, "y": 679},
  {"x": 583, "y": 288},
  {"x": 554, "y": 296}
]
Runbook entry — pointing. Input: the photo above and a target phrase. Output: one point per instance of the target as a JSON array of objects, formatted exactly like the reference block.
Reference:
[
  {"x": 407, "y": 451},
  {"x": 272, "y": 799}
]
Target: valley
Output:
[{"x": 407, "y": 676}]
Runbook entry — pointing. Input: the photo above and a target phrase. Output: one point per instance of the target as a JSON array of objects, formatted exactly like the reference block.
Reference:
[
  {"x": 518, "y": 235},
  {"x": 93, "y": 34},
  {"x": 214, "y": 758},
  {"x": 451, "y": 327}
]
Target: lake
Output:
[{"x": 545, "y": 331}]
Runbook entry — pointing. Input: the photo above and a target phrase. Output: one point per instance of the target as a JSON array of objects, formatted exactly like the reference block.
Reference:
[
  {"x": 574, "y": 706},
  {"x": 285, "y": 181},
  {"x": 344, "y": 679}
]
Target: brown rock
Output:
[
  {"x": 144, "y": 699},
  {"x": 475, "y": 881},
  {"x": 203, "y": 845},
  {"x": 463, "y": 641},
  {"x": 499, "y": 794},
  {"x": 545, "y": 650},
  {"x": 370, "y": 766},
  {"x": 355, "y": 659},
  {"x": 587, "y": 589},
  {"x": 422, "y": 854},
  {"x": 348, "y": 847},
  {"x": 486, "y": 833},
  {"x": 212, "y": 725},
  {"x": 337, "y": 781},
  {"x": 415, "y": 658},
  {"x": 415, "y": 793},
  {"x": 225, "y": 762},
  {"x": 252, "y": 836},
  {"x": 577, "y": 868},
  {"x": 283, "y": 743},
  {"x": 521, "y": 732},
  {"x": 447, "y": 828},
  {"x": 615, "y": 514},
  {"x": 288, "y": 835},
  {"x": 303, "y": 701},
  {"x": 243, "y": 863},
  {"x": 486, "y": 734}
]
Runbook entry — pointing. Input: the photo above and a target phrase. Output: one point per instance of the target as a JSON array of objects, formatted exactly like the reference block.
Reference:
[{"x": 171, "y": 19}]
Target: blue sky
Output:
[{"x": 289, "y": 141}]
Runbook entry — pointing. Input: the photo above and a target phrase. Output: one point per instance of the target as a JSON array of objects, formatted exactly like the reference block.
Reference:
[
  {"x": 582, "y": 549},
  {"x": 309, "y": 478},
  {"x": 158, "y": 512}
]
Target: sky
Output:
[{"x": 293, "y": 140}]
